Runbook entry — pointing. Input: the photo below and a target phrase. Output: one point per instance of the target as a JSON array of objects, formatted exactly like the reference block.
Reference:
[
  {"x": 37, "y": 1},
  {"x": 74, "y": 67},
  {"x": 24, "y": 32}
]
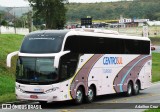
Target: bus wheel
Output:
[
  {"x": 136, "y": 88},
  {"x": 129, "y": 89},
  {"x": 79, "y": 96},
  {"x": 91, "y": 95}
]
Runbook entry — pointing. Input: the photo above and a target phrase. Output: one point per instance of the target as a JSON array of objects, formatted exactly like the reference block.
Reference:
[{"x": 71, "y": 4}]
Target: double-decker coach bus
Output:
[{"x": 60, "y": 65}]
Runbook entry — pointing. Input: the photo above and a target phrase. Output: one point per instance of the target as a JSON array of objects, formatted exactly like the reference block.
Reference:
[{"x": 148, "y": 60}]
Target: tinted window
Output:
[
  {"x": 72, "y": 44},
  {"x": 94, "y": 45},
  {"x": 101, "y": 45},
  {"x": 137, "y": 47},
  {"x": 68, "y": 65},
  {"x": 42, "y": 44},
  {"x": 36, "y": 70}
]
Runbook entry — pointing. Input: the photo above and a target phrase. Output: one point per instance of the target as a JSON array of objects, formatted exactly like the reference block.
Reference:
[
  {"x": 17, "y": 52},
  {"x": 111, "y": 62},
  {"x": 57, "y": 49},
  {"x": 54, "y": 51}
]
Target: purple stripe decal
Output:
[
  {"x": 81, "y": 77},
  {"x": 133, "y": 73}
]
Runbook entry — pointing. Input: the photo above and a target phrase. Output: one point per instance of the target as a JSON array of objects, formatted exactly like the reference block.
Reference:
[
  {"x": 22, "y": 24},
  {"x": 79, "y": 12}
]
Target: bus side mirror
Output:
[
  {"x": 57, "y": 58},
  {"x": 9, "y": 57}
]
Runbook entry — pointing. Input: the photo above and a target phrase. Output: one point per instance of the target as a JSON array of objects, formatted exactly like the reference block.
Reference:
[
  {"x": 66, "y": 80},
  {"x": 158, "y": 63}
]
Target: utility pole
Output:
[
  {"x": 14, "y": 21},
  {"x": 30, "y": 21}
]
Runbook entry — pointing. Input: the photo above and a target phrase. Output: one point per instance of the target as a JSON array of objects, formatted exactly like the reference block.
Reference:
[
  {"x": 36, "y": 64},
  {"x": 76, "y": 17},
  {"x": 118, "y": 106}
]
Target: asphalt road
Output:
[
  {"x": 157, "y": 49},
  {"x": 116, "y": 103}
]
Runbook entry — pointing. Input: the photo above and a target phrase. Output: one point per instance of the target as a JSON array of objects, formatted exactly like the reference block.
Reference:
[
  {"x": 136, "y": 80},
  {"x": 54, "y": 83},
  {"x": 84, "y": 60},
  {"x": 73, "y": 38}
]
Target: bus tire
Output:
[
  {"x": 91, "y": 95},
  {"x": 79, "y": 96},
  {"x": 129, "y": 89},
  {"x": 136, "y": 88}
]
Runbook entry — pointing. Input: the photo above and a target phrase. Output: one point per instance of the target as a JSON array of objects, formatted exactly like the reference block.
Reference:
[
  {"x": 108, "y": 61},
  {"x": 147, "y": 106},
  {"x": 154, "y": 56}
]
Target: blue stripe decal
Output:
[{"x": 123, "y": 79}]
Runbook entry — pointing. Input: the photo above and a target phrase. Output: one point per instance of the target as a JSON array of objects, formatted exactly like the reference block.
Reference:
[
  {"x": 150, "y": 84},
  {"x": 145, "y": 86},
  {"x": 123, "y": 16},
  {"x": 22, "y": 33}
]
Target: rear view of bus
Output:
[{"x": 60, "y": 65}]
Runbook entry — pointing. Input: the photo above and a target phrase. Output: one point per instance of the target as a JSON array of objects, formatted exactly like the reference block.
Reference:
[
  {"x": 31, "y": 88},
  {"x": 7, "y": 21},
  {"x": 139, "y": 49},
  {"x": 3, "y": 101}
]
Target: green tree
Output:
[
  {"x": 24, "y": 20},
  {"x": 0, "y": 18},
  {"x": 4, "y": 23},
  {"x": 51, "y": 11}
]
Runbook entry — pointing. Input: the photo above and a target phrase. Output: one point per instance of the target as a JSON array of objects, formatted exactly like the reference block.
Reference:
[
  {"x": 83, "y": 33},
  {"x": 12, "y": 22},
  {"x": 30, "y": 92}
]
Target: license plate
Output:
[{"x": 34, "y": 96}]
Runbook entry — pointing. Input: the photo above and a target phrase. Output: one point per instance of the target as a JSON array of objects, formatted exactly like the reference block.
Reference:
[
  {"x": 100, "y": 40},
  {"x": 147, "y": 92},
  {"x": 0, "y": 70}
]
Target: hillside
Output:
[
  {"x": 113, "y": 10},
  {"x": 105, "y": 10},
  {"x": 18, "y": 11},
  {"x": 2, "y": 8}
]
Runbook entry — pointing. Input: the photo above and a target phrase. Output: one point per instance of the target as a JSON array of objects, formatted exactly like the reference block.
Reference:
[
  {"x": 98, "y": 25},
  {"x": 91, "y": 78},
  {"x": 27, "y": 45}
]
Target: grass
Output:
[
  {"x": 152, "y": 110},
  {"x": 155, "y": 40},
  {"x": 7, "y": 84},
  {"x": 10, "y": 43},
  {"x": 155, "y": 67},
  {"x": 9, "y": 97}
]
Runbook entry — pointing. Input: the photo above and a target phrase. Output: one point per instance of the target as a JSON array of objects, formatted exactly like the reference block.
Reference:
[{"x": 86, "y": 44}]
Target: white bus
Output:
[{"x": 60, "y": 65}]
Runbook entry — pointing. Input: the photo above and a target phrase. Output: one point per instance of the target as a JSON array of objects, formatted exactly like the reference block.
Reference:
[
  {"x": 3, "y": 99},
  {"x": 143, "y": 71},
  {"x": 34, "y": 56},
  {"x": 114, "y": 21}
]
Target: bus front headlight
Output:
[
  {"x": 19, "y": 89},
  {"x": 51, "y": 90}
]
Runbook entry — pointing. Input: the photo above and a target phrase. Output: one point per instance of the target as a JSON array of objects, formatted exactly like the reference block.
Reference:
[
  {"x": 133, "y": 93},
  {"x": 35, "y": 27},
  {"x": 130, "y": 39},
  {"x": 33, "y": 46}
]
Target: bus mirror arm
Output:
[
  {"x": 9, "y": 57},
  {"x": 57, "y": 58}
]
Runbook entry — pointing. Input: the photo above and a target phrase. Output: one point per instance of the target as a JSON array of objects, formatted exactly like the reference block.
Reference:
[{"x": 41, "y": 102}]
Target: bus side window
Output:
[
  {"x": 68, "y": 66},
  {"x": 126, "y": 50},
  {"x": 63, "y": 72}
]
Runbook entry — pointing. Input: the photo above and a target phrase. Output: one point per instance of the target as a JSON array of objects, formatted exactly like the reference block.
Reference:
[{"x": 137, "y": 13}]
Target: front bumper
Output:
[{"x": 48, "y": 97}]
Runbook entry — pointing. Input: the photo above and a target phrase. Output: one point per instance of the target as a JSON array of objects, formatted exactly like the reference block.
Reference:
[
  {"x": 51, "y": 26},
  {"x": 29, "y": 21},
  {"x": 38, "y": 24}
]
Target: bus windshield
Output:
[
  {"x": 41, "y": 44},
  {"x": 36, "y": 70}
]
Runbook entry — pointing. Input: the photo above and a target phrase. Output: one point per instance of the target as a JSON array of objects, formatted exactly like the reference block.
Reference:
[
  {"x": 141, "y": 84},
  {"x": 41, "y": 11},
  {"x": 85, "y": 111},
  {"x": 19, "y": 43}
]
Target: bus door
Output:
[{"x": 68, "y": 66}]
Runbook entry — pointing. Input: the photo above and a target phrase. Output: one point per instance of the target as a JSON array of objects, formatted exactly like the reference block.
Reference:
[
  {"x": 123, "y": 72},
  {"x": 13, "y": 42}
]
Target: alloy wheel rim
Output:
[
  {"x": 136, "y": 87},
  {"x": 79, "y": 96},
  {"x": 129, "y": 89},
  {"x": 90, "y": 94}
]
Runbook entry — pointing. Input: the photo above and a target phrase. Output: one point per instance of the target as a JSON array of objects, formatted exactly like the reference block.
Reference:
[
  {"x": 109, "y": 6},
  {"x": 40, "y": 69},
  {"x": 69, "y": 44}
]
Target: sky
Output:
[
  {"x": 14, "y": 3},
  {"x": 24, "y": 3}
]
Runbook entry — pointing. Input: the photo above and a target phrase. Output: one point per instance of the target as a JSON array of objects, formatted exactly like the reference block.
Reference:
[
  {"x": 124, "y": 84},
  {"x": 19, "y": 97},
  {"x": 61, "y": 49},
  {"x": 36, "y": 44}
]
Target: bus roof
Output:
[
  {"x": 104, "y": 33},
  {"x": 53, "y": 41},
  {"x": 48, "y": 32},
  {"x": 88, "y": 32}
]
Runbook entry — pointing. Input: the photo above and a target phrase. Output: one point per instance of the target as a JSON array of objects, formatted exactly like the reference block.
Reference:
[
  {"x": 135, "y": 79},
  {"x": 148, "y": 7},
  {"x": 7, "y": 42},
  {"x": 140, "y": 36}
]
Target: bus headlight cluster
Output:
[
  {"x": 51, "y": 90},
  {"x": 18, "y": 88}
]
